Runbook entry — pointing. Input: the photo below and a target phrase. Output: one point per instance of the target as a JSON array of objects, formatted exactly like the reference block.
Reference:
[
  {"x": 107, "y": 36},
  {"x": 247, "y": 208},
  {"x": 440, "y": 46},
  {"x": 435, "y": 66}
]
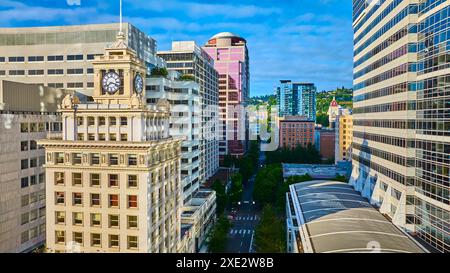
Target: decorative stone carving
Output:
[
  {"x": 69, "y": 101},
  {"x": 136, "y": 101}
]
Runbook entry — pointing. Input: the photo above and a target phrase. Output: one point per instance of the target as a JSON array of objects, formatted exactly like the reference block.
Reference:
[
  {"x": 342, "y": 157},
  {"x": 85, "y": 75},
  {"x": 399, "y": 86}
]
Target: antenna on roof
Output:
[{"x": 120, "y": 31}]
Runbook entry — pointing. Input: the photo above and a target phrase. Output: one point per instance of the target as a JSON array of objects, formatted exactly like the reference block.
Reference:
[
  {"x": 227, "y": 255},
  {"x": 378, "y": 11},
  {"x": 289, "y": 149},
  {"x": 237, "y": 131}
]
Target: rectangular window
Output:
[
  {"x": 24, "y": 164},
  {"x": 24, "y": 127},
  {"x": 24, "y": 182},
  {"x": 101, "y": 137},
  {"x": 19, "y": 59},
  {"x": 113, "y": 180},
  {"x": 80, "y": 136},
  {"x": 57, "y": 58},
  {"x": 132, "y": 160},
  {"x": 123, "y": 137},
  {"x": 25, "y": 218},
  {"x": 91, "y": 137},
  {"x": 77, "y": 218},
  {"x": 33, "y": 162},
  {"x": 132, "y": 181},
  {"x": 78, "y": 238},
  {"x": 60, "y": 217},
  {"x": 55, "y": 72},
  {"x": 123, "y": 121},
  {"x": 78, "y": 57},
  {"x": 33, "y": 180},
  {"x": 91, "y": 121},
  {"x": 33, "y": 215},
  {"x": 113, "y": 159},
  {"x": 95, "y": 180},
  {"x": 96, "y": 219},
  {"x": 113, "y": 241},
  {"x": 132, "y": 201},
  {"x": 35, "y": 58},
  {"x": 114, "y": 200},
  {"x": 33, "y": 145},
  {"x": 113, "y": 221},
  {"x": 59, "y": 178},
  {"x": 96, "y": 240},
  {"x": 24, "y": 146},
  {"x": 95, "y": 159},
  {"x": 132, "y": 221},
  {"x": 77, "y": 179},
  {"x": 60, "y": 198},
  {"x": 25, "y": 200},
  {"x": 132, "y": 242},
  {"x": 101, "y": 121},
  {"x": 24, "y": 237},
  {"x": 74, "y": 71},
  {"x": 112, "y": 137},
  {"x": 80, "y": 121},
  {"x": 95, "y": 199},
  {"x": 60, "y": 237},
  {"x": 59, "y": 158},
  {"x": 77, "y": 198},
  {"x": 112, "y": 121},
  {"x": 76, "y": 158}
]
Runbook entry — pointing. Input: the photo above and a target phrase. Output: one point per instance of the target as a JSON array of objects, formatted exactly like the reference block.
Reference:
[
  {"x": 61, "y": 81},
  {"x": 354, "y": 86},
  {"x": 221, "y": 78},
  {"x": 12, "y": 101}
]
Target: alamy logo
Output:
[{"x": 73, "y": 2}]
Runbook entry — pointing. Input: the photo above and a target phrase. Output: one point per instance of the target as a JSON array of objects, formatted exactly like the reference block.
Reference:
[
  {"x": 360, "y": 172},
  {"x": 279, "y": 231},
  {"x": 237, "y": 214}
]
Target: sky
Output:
[{"x": 299, "y": 40}]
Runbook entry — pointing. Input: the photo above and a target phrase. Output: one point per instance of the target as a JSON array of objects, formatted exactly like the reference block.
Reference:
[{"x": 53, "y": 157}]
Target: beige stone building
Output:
[
  {"x": 27, "y": 114},
  {"x": 113, "y": 176},
  {"x": 344, "y": 136}
]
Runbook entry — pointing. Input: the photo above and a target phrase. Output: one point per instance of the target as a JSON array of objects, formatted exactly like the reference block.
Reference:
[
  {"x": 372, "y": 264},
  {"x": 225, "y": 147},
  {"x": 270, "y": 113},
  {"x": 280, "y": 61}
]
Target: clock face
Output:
[
  {"x": 138, "y": 84},
  {"x": 111, "y": 82}
]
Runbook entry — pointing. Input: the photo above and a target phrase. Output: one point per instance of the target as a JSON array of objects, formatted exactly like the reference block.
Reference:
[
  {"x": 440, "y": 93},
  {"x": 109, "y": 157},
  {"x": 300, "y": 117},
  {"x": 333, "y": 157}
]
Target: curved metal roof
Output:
[
  {"x": 225, "y": 35},
  {"x": 336, "y": 218}
]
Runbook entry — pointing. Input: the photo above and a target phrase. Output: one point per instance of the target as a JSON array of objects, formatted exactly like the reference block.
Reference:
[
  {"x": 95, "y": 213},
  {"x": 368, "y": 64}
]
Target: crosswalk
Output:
[
  {"x": 241, "y": 232},
  {"x": 246, "y": 218}
]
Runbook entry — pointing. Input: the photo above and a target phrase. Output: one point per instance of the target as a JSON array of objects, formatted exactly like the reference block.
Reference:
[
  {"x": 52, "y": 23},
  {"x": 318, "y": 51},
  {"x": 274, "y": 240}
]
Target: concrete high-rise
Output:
[
  {"x": 296, "y": 99},
  {"x": 113, "y": 176},
  {"x": 190, "y": 60},
  {"x": 61, "y": 56},
  {"x": 231, "y": 60},
  {"x": 401, "y": 129}
]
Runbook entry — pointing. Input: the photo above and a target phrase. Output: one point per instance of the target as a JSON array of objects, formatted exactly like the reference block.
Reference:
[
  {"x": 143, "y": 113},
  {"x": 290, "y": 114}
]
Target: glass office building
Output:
[{"x": 296, "y": 99}]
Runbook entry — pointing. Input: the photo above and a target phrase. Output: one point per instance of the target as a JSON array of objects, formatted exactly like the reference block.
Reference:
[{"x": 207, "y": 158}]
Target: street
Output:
[{"x": 241, "y": 235}]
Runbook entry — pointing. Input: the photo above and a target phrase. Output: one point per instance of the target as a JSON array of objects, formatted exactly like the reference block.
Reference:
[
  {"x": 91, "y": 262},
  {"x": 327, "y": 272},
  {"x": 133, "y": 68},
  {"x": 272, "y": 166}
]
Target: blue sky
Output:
[{"x": 302, "y": 40}]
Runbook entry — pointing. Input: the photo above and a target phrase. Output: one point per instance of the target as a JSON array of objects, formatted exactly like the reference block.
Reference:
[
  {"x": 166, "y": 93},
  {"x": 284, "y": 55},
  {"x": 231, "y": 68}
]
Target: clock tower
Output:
[{"x": 119, "y": 75}]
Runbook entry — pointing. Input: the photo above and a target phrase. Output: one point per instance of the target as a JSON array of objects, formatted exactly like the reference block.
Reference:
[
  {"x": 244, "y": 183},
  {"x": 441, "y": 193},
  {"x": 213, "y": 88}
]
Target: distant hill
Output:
[
  {"x": 256, "y": 100},
  {"x": 344, "y": 97}
]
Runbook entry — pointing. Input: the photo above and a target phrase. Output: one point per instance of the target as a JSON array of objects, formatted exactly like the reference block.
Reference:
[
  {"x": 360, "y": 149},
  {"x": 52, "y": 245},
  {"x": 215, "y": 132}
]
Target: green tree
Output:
[
  {"x": 159, "y": 72},
  {"x": 270, "y": 235},
  {"x": 186, "y": 77},
  {"x": 236, "y": 188},
  {"x": 221, "y": 196},
  {"x": 217, "y": 237},
  {"x": 323, "y": 119}
]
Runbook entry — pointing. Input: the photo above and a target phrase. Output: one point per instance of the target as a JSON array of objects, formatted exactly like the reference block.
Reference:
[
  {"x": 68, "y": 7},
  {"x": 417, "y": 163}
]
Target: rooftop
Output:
[
  {"x": 225, "y": 35},
  {"x": 316, "y": 171},
  {"x": 334, "y": 218}
]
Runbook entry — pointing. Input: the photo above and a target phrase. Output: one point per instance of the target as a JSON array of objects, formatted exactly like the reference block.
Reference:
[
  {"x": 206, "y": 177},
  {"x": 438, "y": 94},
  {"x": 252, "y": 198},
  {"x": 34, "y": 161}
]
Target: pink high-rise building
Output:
[{"x": 231, "y": 60}]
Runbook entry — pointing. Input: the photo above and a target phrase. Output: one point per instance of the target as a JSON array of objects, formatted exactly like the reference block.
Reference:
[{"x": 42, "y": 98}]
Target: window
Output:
[
  {"x": 96, "y": 239},
  {"x": 25, "y": 218},
  {"x": 77, "y": 179},
  {"x": 132, "y": 160},
  {"x": 96, "y": 219},
  {"x": 101, "y": 121},
  {"x": 24, "y": 164},
  {"x": 113, "y": 221},
  {"x": 123, "y": 121},
  {"x": 91, "y": 121},
  {"x": 77, "y": 218},
  {"x": 59, "y": 178},
  {"x": 24, "y": 182},
  {"x": 77, "y": 199},
  {"x": 75, "y": 57},
  {"x": 33, "y": 180},
  {"x": 80, "y": 136},
  {"x": 80, "y": 121},
  {"x": 42, "y": 212},
  {"x": 58, "y": 58},
  {"x": 33, "y": 232},
  {"x": 114, "y": 200},
  {"x": 91, "y": 137},
  {"x": 24, "y": 146},
  {"x": 60, "y": 198},
  {"x": 55, "y": 72},
  {"x": 78, "y": 238},
  {"x": 25, "y": 200},
  {"x": 101, "y": 137},
  {"x": 112, "y": 137},
  {"x": 95, "y": 180},
  {"x": 16, "y": 59},
  {"x": 33, "y": 145},
  {"x": 35, "y": 72},
  {"x": 24, "y": 237},
  {"x": 24, "y": 127},
  {"x": 123, "y": 137},
  {"x": 132, "y": 201},
  {"x": 33, "y": 215},
  {"x": 95, "y": 199},
  {"x": 112, "y": 121},
  {"x": 113, "y": 241},
  {"x": 60, "y": 217},
  {"x": 132, "y": 222},
  {"x": 35, "y": 58},
  {"x": 90, "y": 71},
  {"x": 132, "y": 181},
  {"x": 33, "y": 162},
  {"x": 59, "y": 158},
  {"x": 113, "y": 159},
  {"x": 16, "y": 72},
  {"x": 41, "y": 178},
  {"x": 60, "y": 237},
  {"x": 74, "y": 71},
  {"x": 132, "y": 242},
  {"x": 113, "y": 180},
  {"x": 76, "y": 158},
  {"x": 95, "y": 159}
]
